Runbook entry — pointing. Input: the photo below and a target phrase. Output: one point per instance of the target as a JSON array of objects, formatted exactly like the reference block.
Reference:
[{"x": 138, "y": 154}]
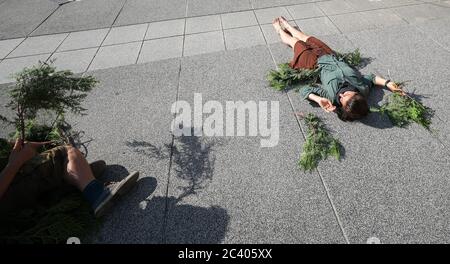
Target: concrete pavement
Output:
[{"x": 392, "y": 184}]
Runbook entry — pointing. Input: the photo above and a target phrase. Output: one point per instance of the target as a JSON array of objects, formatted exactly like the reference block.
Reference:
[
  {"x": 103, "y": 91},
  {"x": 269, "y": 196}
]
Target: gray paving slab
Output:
[
  {"x": 138, "y": 11},
  {"x": 411, "y": 51},
  {"x": 76, "y": 60},
  {"x": 269, "y": 34},
  {"x": 318, "y": 26},
  {"x": 394, "y": 199},
  {"x": 38, "y": 45},
  {"x": 422, "y": 13},
  {"x": 275, "y": 3},
  {"x": 160, "y": 49},
  {"x": 238, "y": 19},
  {"x": 203, "y": 43},
  {"x": 437, "y": 30},
  {"x": 243, "y": 37},
  {"x": 404, "y": 51},
  {"x": 267, "y": 15},
  {"x": 281, "y": 52},
  {"x": 117, "y": 55},
  {"x": 250, "y": 197},
  {"x": 346, "y": 22},
  {"x": 305, "y": 11},
  {"x": 14, "y": 65},
  {"x": 6, "y": 46},
  {"x": 335, "y": 7},
  {"x": 131, "y": 113},
  {"x": 208, "y": 7},
  {"x": 84, "y": 39},
  {"x": 382, "y": 18},
  {"x": 442, "y": 3},
  {"x": 81, "y": 15},
  {"x": 18, "y": 18},
  {"x": 203, "y": 24},
  {"x": 363, "y": 5},
  {"x": 392, "y": 183},
  {"x": 125, "y": 34},
  {"x": 165, "y": 29}
]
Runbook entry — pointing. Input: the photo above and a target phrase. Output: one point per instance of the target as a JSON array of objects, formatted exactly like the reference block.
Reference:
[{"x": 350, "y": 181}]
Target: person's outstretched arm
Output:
[
  {"x": 380, "y": 81},
  {"x": 19, "y": 155},
  {"x": 324, "y": 103},
  {"x": 318, "y": 95}
]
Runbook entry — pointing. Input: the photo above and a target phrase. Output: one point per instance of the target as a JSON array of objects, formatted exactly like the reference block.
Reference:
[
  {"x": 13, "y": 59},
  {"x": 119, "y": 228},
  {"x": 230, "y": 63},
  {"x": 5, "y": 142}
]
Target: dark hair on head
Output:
[{"x": 356, "y": 108}]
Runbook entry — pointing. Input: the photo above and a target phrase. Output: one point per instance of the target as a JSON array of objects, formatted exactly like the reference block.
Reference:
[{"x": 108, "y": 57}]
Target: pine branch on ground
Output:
[
  {"x": 404, "y": 110},
  {"x": 353, "y": 58},
  {"x": 319, "y": 144},
  {"x": 287, "y": 78}
]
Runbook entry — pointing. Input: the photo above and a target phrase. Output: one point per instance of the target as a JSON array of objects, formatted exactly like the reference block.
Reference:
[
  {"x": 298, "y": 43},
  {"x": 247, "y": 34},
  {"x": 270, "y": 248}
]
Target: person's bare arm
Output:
[
  {"x": 19, "y": 155},
  {"x": 380, "y": 81},
  {"x": 324, "y": 103}
]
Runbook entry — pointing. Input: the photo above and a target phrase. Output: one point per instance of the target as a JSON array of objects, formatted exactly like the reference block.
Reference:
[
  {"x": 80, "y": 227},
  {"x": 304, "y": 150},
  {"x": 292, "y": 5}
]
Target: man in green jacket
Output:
[{"x": 344, "y": 90}]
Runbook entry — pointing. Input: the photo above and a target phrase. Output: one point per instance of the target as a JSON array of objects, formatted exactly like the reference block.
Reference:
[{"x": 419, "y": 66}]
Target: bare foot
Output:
[
  {"x": 284, "y": 23},
  {"x": 276, "y": 24}
]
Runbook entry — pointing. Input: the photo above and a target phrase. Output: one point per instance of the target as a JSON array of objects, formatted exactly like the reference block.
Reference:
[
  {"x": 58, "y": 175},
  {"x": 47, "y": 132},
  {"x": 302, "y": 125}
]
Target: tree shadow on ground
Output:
[
  {"x": 193, "y": 159},
  {"x": 144, "y": 218}
]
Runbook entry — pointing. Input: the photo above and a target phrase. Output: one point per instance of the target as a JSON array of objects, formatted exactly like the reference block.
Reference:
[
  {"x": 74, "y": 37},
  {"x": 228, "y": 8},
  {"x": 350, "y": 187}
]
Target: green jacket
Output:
[{"x": 333, "y": 73}]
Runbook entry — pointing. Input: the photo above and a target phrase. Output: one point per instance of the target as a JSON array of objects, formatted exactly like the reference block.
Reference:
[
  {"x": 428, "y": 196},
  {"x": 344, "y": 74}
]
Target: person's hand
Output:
[
  {"x": 326, "y": 105},
  {"x": 23, "y": 152},
  {"x": 395, "y": 88}
]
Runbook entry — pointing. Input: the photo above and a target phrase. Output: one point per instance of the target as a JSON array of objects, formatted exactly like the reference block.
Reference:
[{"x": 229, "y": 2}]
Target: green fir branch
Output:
[
  {"x": 319, "y": 144},
  {"x": 404, "y": 110}
]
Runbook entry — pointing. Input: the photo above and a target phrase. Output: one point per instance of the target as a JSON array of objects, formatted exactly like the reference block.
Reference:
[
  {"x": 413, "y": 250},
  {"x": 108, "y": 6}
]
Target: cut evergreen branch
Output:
[
  {"x": 42, "y": 87},
  {"x": 404, "y": 110},
  {"x": 353, "y": 58},
  {"x": 319, "y": 144},
  {"x": 286, "y": 76}
]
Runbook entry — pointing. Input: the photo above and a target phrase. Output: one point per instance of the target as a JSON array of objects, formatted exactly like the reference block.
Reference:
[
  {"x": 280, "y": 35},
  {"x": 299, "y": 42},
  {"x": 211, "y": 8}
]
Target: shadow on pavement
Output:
[
  {"x": 374, "y": 119},
  {"x": 193, "y": 162}
]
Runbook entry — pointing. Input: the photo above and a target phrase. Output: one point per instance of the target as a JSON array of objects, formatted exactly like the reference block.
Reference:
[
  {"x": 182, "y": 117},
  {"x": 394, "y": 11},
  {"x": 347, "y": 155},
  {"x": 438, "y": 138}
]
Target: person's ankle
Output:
[{"x": 93, "y": 191}]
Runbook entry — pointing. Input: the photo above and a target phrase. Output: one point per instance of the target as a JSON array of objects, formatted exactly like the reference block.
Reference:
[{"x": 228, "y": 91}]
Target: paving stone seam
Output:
[
  {"x": 327, "y": 16},
  {"x": 51, "y": 54},
  {"x": 223, "y": 32},
  {"x": 243, "y": 10},
  {"x": 104, "y": 38},
  {"x": 421, "y": 31},
  {"x": 184, "y": 33},
  {"x": 43, "y": 21},
  {"x": 172, "y": 144},
  {"x": 142, "y": 44},
  {"x": 184, "y": 29}
]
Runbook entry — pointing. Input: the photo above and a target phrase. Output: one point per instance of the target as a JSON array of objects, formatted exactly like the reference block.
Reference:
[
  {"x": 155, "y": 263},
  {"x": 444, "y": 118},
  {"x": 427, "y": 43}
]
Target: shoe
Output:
[
  {"x": 98, "y": 168},
  {"x": 112, "y": 192}
]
